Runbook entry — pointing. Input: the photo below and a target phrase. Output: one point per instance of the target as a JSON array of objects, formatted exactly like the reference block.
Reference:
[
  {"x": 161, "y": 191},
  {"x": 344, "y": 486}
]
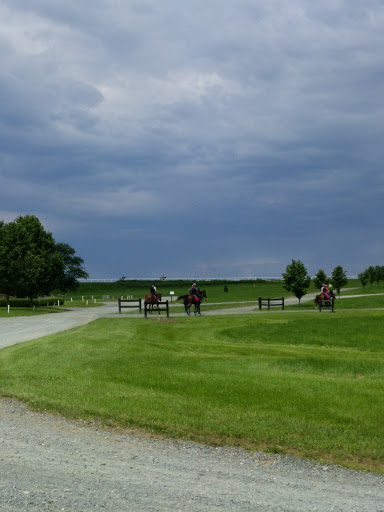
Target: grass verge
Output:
[{"x": 365, "y": 302}]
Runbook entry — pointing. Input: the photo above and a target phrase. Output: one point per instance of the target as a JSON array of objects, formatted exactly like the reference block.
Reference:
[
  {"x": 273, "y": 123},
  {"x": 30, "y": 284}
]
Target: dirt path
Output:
[{"x": 51, "y": 464}]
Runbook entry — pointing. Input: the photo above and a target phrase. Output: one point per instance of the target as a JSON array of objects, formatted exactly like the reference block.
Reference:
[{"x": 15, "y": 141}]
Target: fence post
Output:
[
  {"x": 119, "y": 302},
  {"x": 269, "y": 303},
  {"x": 283, "y": 304},
  {"x": 259, "y": 302}
]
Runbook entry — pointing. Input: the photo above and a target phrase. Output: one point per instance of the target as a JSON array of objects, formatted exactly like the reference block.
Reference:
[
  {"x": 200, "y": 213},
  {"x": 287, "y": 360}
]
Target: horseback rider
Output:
[
  {"x": 195, "y": 291},
  {"x": 153, "y": 290},
  {"x": 325, "y": 291}
]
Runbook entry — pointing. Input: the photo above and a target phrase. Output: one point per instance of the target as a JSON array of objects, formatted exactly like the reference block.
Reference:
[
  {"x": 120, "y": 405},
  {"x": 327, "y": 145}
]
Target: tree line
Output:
[
  {"x": 297, "y": 280},
  {"x": 32, "y": 263},
  {"x": 372, "y": 275}
]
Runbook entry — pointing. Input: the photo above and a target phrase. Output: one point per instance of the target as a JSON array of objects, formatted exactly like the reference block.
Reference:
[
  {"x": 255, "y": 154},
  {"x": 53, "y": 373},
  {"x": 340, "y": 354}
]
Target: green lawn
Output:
[
  {"x": 237, "y": 291},
  {"x": 366, "y": 302},
  {"x": 308, "y": 384}
]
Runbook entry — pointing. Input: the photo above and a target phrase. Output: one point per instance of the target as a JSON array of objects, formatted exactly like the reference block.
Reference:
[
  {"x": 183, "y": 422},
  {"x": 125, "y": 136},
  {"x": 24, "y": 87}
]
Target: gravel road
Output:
[{"x": 48, "y": 463}]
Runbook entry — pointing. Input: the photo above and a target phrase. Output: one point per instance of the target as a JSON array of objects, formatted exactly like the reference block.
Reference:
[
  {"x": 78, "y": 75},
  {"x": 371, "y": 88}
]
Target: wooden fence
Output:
[
  {"x": 129, "y": 303},
  {"x": 271, "y": 303},
  {"x": 156, "y": 307}
]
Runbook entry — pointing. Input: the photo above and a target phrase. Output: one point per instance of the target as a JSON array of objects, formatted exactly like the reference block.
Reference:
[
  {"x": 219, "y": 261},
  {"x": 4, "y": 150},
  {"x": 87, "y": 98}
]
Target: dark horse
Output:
[
  {"x": 192, "y": 299},
  {"x": 322, "y": 298},
  {"x": 151, "y": 300}
]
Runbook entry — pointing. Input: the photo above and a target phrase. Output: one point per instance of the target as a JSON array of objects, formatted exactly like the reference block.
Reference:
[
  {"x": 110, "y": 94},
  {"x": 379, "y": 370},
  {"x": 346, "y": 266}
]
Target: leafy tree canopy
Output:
[
  {"x": 363, "y": 278},
  {"x": 73, "y": 267},
  {"x": 296, "y": 279},
  {"x": 31, "y": 264},
  {"x": 320, "y": 278},
  {"x": 339, "y": 278}
]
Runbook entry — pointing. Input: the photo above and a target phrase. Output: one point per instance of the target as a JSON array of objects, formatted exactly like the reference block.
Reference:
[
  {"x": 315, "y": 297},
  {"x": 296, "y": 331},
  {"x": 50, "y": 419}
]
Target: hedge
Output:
[{"x": 28, "y": 303}]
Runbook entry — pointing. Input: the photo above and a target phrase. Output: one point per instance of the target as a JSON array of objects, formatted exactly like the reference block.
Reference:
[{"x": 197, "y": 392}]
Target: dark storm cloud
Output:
[{"x": 252, "y": 130}]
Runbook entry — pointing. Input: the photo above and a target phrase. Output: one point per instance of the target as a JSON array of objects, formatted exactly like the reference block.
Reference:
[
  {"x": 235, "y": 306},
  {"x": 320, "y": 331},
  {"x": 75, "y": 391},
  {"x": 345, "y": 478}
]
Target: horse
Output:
[
  {"x": 322, "y": 298},
  {"x": 192, "y": 299},
  {"x": 152, "y": 300}
]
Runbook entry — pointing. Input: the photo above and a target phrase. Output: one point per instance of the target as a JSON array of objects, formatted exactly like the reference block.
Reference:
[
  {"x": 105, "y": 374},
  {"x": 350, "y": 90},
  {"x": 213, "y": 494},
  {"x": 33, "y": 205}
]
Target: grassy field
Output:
[
  {"x": 237, "y": 291},
  {"x": 93, "y": 294},
  {"x": 310, "y": 385},
  {"x": 365, "y": 302}
]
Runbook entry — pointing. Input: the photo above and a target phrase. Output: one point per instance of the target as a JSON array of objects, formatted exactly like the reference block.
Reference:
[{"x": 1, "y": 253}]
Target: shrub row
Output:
[{"x": 28, "y": 303}]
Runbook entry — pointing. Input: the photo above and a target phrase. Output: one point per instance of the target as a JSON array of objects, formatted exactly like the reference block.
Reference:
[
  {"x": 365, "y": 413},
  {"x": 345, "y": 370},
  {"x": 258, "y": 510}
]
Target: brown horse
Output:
[
  {"x": 192, "y": 299},
  {"x": 151, "y": 300},
  {"x": 322, "y": 298}
]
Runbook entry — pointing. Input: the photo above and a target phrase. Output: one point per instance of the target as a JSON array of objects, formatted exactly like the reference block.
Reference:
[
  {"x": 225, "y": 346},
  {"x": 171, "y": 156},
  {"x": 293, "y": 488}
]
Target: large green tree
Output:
[
  {"x": 296, "y": 279},
  {"x": 339, "y": 278},
  {"x": 30, "y": 264},
  {"x": 73, "y": 267}
]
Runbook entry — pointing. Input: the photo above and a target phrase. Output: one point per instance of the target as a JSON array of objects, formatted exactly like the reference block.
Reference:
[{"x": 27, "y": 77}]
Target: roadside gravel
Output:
[{"x": 50, "y": 464}]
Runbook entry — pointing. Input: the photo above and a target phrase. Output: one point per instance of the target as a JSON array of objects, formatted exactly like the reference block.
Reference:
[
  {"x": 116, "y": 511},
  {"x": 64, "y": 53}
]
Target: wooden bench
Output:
[{"x": 271, "y": 303}]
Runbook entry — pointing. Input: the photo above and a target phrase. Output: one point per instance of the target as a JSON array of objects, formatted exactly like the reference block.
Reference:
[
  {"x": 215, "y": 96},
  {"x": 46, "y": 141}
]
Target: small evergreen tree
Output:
[
  {"x": 378, "y": 275},
  {"x": 363, "y": 278},
  {"x": 320, "y": 279},
  {"x": 339, "y": 278},
  {"x": 371, "y": 272},
  {"x": 296, "y": 279}
]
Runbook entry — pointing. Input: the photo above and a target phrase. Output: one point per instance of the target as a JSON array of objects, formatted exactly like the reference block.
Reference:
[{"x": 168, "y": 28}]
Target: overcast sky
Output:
[{"x": 199, "y": 138}]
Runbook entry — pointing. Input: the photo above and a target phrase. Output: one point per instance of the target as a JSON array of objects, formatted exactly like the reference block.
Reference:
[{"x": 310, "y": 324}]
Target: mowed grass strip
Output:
[
  {"x": 310, "y": 385},
  {"x": 365, "y": 302}
]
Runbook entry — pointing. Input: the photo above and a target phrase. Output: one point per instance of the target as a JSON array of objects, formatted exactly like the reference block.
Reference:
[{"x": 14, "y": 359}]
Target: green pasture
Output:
[
  {"x": 307, "y": 384},
  {"x": 365, "y": 302},
  {"x": 92, "y": 295},
  {"x": 237, "y": 290}
]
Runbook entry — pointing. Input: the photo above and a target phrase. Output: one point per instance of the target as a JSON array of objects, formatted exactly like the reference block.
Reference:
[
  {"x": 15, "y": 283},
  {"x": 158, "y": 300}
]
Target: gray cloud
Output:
[{"x": 251, "y": 130}]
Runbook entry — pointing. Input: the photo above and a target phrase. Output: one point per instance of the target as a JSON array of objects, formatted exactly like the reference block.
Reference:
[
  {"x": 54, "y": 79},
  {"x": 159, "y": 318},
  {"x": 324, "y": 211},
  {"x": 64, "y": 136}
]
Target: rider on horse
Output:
[
  {"x": 195, "y": 292},
  {"x": 325, "y": 291},
  {"x": 154, "y": 291}
]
